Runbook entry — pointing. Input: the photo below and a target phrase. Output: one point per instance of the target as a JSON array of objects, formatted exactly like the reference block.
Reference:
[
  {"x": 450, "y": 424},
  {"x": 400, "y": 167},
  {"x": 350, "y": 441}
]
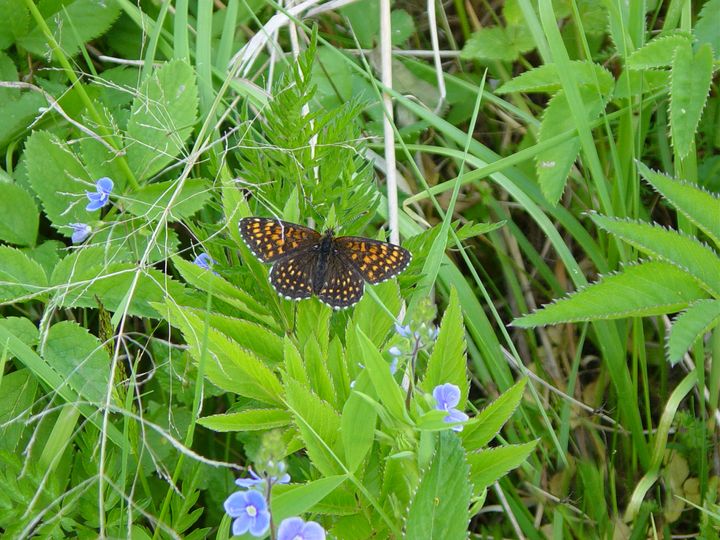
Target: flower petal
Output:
[
  {"x": 456, "y": 416},
  {"x": 313, "y": 531},
  {"x": 241, "y": 524},
  {"x": 290, "y": 528},
  {"x": 259, "y": 525},
  {"x": 201, "y": 261},
  {"x": 235, "y": 504},
  {"x": 80, "y": 232},
  {"x": 395, "y": 351},
  {"x": 95, "y": 201},
  {"x": 104, "y": 185},
  {"x": 404, "y": 331},
  {"x": 256, "y": 499},
  {"x": 447, "y": 396}
]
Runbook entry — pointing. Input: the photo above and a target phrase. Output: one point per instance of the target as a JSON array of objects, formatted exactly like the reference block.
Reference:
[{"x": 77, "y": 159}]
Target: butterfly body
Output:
[{"x": 307, "y": 263}]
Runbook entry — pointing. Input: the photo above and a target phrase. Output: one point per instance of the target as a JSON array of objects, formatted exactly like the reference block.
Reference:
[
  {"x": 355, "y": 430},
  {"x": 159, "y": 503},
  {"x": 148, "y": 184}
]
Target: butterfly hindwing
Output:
[
  {"x": 292, "y": 276},
  {"x": 375, "y": 261},
  {"x": 272, "y": 239},
  {"x": 342, "y": 285}
]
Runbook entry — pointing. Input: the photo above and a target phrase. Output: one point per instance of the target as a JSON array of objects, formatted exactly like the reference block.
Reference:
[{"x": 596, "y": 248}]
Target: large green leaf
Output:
[
  {"x": 21, "y": 278},
  {"x": 80, "y": 359},
  {"x": 439, "y": 510},
  {"x": 151, "y": 201},
  {"x": 358, "y": 424},
  {"x": 17, "y": 395},
  {"x": 545, "y": 78},
  {"x": 19, "y": 216},
  {"x": 686, "y": 253},
  {"x": 498, "y": 43},
  {"x": 161, "y": 119},
  {"x": 701, "y": 207},
  {"x": 250, "y": 420},
  {"x": 553, "y": 164},
  {"x": 707, "y": 29},
  {"x": 447, "y": 363},
  {"x": 294, "y": 500},
  {"x": 657, "y": 53},
  {"x": 489, "y": 465},
  {"x": 487, "y": 423},
  {"x": 72, "y": 24},
  {"x": 691, "y": 324},
  {"x": 691, "y": 77},
  {"x": 227, "y": 364},
  {"x": 650, "y": 288},
  {"x": 319, "y": 427},
  {"x": 59, "y": 180}
]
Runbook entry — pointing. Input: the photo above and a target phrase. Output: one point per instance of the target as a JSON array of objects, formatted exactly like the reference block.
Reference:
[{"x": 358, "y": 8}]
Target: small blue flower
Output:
[
  {"x": 204, "y": 261},
  {"x": 258, "y": 480},
  {"x": 80, "y": 232},
  {"x": 393, "y": 366},
  {"x": 447, "y": 396},
  {"x": 295, "y": 528},
  {"x": 101, "y": 197},
  {"x": 404, "y": 331},
  {"x": 250, "y": 511},
  {"x": 395, "y": 351}
]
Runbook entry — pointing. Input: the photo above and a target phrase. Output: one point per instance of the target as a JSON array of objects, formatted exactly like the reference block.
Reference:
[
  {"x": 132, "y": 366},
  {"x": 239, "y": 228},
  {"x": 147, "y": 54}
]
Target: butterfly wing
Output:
[
  {"x": 374, "y": 260},
  {"x": 272, "y": 239},
  {"x": 342, "y": 285},
  {"x": 292, "y": 276}
]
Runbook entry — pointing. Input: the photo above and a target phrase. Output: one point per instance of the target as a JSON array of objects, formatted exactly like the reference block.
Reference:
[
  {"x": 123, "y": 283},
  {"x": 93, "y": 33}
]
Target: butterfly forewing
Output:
[
  {"x": 375, "y": 261},
  {"x": 292, "y": 276},
  {"x": 342, "y": 285},
  {"x": 273, "y": 239}
]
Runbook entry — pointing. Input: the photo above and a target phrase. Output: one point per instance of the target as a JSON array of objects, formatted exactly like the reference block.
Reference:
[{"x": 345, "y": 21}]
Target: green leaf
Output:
[
  {"x": 319, "y": 427},
  {"x": 690, "y": 85},
  {"x": 658, "y": 52},
  {"x": 636, "y": 83},
  {"x": 295, "y": 500},
  {"x": 553, "y": 164},
  {"x": 80, "y": 359},
  {"x": 21, "y": 278},
  {"x": 686, "y": 253},
  {"x": 369, "y": 315},
  {"x": 227, "y": 364},
  {"x": 358, "y": 425},
  {"x": 17, "y": 395},
  {"x": 59, "y": 180},
  {"x": 317, "y": 371},
  {"x": 206, "y": 281},
  {"x": 16, "y": 22},
  {"x": 447, "y": 363},
  {"x": 250, "y": 420},
  {"x": 19, "y": 216},
  {"x": 439, "y": 509},
  {"x": 72, "y": 24},
  {"x": 701, "y": 207},
  {"x": 23, "y": 328},
  {"x": 162, "y": 118},
  {"x": 707, "y": 29},
  {"x": 691, "y": 324},
  {"x": 650, "y": 288},
  {"x": 151, "y": 201},
  {"x": 402, "y": 26},
  {"x": 387, "y": 389},
  {"x": 487, "y": 423},
  {"x": 497, "y": 43},
  {"x": 490, "y": 465},
  {"x": 545, "y": 79}
]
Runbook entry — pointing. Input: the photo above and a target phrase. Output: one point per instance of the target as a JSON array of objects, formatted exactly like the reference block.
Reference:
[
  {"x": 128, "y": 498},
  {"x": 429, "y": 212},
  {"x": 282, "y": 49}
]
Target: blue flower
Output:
[
  {"x": 101, "y": 197},
  {"x": 80, "y": 232},
  {"x": 395, "y": 351},
  {"x": 447, "y": 396},
  {"x": 393, "y": 366},
  {"x": 404, "y": 331},
  {"x": 256, "y": 479},
  {"x": 295, "y": 528},
  {"x": 250, "y": 511},
  {"x": 204, "y": 261}
]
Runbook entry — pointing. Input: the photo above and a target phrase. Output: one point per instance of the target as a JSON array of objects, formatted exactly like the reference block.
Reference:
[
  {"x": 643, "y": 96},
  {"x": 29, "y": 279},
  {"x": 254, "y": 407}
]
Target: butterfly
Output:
[{"x": 333, "y": 268}]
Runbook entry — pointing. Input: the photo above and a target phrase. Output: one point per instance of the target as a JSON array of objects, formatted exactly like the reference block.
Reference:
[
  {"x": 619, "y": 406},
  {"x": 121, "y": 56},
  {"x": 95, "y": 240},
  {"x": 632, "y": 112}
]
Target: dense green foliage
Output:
[{"x": 559, "y": 184}]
